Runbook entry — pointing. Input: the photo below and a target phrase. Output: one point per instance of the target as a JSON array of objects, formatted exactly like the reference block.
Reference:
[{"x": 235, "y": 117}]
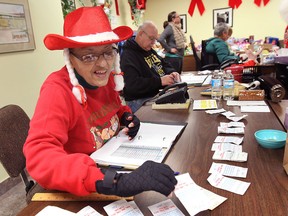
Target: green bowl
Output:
[{"x": 269, "y": 138}]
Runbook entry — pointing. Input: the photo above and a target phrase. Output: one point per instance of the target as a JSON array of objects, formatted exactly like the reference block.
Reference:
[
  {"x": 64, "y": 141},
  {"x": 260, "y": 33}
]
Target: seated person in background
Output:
[
  {"x": 79, "y": 109},
  {"x": 145, "y": 72},
  {"x": 218, "y": 44}
]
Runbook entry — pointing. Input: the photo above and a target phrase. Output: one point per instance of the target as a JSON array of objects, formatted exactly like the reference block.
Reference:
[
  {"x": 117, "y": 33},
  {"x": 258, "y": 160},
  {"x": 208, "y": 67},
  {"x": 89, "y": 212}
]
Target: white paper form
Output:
[
  {"x": 121, "y": 208},
  {"x": 194, "y": 198},
  {"x": 229, "y": 139},
  {"x": 229, "y": 184},
  {"x": 226, "y": 147},
  {"x": 245, "y": 103},
  {"x": 228, "y": 170},
  {"x": 165, "y": 208},
  {"x": 230, "y": 156},
  {"x": 254, "y": 109}
]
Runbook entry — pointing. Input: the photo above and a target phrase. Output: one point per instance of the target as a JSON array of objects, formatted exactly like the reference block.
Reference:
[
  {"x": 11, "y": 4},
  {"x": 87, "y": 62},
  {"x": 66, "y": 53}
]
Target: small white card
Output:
[
  {"x": 229, "y": 184},
  {"x": 230, "y": 156},
  {"x": 165, "y": 208},
  {"x": 228, "y": 170},
  {"x": 229, "y": 139},
  {"x": 227, "y": 130},
  {"x": 204, "y": 104},
  {"x": 236, "y": 118},
  {"x": 226, "y": 147}
]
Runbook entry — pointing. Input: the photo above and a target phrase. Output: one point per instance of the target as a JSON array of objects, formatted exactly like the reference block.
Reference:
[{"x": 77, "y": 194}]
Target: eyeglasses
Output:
[
  {"x": 150, "y": 37},
  {"x": 92, "y": 58}
]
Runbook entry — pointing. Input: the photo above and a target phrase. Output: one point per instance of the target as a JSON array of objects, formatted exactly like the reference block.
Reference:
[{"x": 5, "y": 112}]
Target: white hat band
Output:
[{"x": 92, "y": 38}]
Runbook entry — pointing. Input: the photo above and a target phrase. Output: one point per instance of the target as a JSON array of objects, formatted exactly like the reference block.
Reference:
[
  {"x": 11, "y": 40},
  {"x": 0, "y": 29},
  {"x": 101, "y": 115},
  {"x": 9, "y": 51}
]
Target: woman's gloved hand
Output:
[
  {"x": 132, "y": 124},
  {"x": 149, "y": 176}
]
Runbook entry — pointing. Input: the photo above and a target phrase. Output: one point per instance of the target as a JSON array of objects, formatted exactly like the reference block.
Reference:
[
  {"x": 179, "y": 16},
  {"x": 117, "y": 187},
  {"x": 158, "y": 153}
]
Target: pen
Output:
[{"x": 176, "y": 173}]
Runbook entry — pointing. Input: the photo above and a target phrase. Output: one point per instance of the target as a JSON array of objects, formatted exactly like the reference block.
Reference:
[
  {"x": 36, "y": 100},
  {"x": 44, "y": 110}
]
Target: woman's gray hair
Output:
[{"x": 220, "y": 28}]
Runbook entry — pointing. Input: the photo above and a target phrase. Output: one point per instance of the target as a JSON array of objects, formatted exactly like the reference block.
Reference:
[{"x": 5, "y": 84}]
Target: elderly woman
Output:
[
  {"x": 217, "y": 45},
  {"x": 79, "y": 109}
]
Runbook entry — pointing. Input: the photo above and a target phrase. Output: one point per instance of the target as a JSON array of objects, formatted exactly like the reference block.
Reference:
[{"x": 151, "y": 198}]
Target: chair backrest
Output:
[
  {"x": 196, "y": 57},
  {"x": 14, "y": 126},
  {"x": 207, "y": 58}
]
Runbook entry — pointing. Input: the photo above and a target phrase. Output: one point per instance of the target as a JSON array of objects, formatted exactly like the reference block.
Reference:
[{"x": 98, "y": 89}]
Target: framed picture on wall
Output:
[
  {"x": 183, "y": 22},
  {"x": 223, "y": 15},
  {"x": 16, "y": 32}
]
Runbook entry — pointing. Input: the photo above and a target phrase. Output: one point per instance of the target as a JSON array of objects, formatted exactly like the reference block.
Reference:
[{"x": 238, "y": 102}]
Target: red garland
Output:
[
  {"x": 117, "y": 8},
  {"x": 141, "y": 4},
  {"x": 258, "y": 2},
  {"x": 234, "y": 3},
  {"x": 193, "y": 4}
]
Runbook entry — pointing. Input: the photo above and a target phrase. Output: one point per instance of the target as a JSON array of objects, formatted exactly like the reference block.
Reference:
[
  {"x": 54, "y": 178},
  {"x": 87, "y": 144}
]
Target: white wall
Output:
[{"x": 248, "y": 19}]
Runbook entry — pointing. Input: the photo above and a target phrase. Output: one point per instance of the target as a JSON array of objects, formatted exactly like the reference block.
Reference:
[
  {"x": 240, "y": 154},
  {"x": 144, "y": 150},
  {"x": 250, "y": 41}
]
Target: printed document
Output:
[
  {"x": 152, "y": 142},
  {"x": 122, "y": 208}
]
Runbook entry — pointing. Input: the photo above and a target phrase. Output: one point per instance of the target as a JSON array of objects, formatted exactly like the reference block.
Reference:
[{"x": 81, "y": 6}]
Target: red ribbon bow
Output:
[
  {"x": 258, "y": 2},
  {"x": 193, "y": 4},
  {"x": 235, "y": 3}
]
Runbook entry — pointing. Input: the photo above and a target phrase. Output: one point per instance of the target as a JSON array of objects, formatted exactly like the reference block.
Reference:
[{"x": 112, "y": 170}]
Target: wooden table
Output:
[{"x": 268, "y": 192}]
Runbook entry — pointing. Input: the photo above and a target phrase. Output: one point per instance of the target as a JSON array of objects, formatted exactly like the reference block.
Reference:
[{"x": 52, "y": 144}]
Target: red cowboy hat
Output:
[{"x": 87, "y": 26}]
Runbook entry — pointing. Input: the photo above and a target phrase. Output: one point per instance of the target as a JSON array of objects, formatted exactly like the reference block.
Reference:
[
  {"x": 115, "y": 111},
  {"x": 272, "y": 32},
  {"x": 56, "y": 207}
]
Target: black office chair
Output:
[
  {"x": 211, "y": 59},
  {"x": 14, "y": 126},
  {"x": 199, "y": 65}
]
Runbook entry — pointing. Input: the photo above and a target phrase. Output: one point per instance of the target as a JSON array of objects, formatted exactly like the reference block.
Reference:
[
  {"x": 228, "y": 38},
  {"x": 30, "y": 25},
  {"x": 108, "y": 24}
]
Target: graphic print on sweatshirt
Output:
[
  {"x": 155, "y": 63},
  {"x": 104, "y": 132}
]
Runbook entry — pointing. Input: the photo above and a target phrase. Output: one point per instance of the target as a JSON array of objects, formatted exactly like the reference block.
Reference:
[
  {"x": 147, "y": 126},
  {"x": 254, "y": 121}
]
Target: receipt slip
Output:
[
  {"x": 226, "y": 147},
  {"x": 232, "y": 124},
  {"x": 228, "y": 114},
  {"x": 236, "y": 118},
  {"x": 227, "y": 130},
  {"x": 229, "y": 139},
  {"x": 164, "y": 208},
  {"x": 229, "y": 184},
  {"x": 215, "y": 111},
  {"x": 230, "y": 156},
  {"x": 228, "y": 170},
  {"x": 122, "y": 207},
  {"x": 195, "y": 198}
]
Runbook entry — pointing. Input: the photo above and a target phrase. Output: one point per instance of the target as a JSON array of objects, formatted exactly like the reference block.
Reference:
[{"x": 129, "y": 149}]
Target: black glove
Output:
[
  {"x": 149, "y": 176},
  {"x": 128, "y": 118}
]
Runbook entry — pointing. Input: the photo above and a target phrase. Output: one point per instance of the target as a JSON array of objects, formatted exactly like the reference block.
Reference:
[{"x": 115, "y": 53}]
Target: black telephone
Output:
[{"x": 175, "y": 93}]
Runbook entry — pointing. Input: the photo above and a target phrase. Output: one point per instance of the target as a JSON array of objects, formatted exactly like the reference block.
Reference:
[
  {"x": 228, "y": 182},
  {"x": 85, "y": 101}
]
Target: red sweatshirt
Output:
[{"x": 63, "y": 134}]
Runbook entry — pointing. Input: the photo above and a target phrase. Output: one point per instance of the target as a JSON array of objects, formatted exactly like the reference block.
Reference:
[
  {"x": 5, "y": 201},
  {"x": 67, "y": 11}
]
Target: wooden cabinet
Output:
[{"x": 189, "y": 63}]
